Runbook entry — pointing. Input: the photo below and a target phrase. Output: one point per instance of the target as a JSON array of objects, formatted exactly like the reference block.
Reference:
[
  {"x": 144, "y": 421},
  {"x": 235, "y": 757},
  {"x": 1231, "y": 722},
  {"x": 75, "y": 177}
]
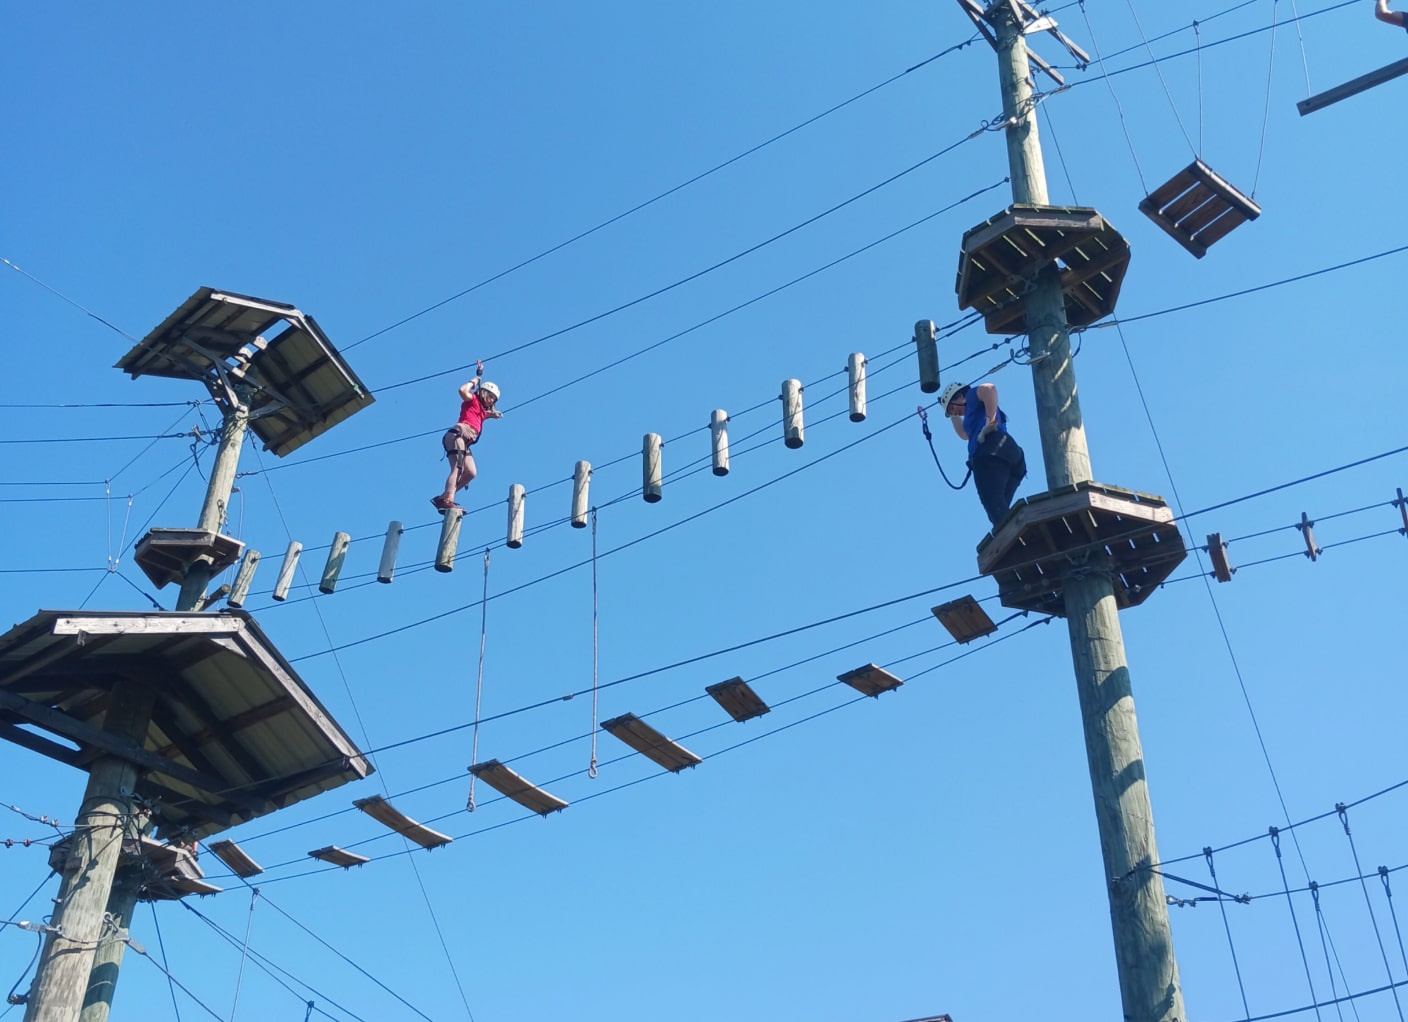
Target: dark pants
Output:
[{"x": 998, "y": 467}]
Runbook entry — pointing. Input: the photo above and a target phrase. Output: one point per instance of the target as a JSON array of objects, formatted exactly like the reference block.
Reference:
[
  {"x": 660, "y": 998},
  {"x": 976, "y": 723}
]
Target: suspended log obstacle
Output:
[
  {"x": 650, "y": 467},
  {"x": 239, "y": 592},
  {"x": 449, "y": 540},
  {"x": 855, "y": 377},
  {"x": 516, "y": 496},
  {"x": 718, "y": 440},
  {"x": 792, "y": 430},
  {"x": 386, "y": 570},
  {"x": 1196, "y": 208},
  {"x": 1081, "y": 528},
  {"x": 337, "y": 553},
  {"x": 286, "y": 570},
  {"x": 581, "y": 480},
  {"x": 926, "y": 345},
  {"x": 1002, "y": 257}
]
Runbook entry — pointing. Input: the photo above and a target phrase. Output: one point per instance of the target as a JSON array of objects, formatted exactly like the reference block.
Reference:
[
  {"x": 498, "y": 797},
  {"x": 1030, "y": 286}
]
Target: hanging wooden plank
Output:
[
  {"x": 508, "y": 783},
  {"x": 650, "y": 743},
  {"x": 386, "y": 570},
  {"x": 1307, "y": 531},
  {"x": 650, "y": 467},
  {"x": 718, "y": 435},
  {"x": 581, "y": 481},
  {"x": 286, "y": 570},
  {"x": 1222, "y": 569},
  {"x": 340, "y": 542},
  {"x": 1353, "y": 87},
  {"x": 388, "y": 815},
  {"x": 449, "y": 540},
  {"x": 926, "y": 343},
  {"x": 243, "y": 578},
  {"x": 234, "y": 856},
  {"x": 339, "y": 856},
  {"x": 964, "y": 619},
  {"x": 516, "y": 494},
  {"x": 1402, "y": 505},
  {"x": 792, "y": 429},
  {"x": 738, "y": 699},
  {"x": 870, "y": 680},
  {"x": 855, "y": 376}
]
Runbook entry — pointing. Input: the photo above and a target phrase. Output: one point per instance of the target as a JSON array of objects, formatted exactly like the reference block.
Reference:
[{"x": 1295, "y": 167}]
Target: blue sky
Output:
[{"x": 931, "y": 851}]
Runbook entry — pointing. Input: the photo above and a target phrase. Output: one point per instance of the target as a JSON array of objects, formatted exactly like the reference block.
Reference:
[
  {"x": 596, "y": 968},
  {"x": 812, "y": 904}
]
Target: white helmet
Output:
[
  {"x": 949, "y": 393},
  {"x": 489, "y": 388}
]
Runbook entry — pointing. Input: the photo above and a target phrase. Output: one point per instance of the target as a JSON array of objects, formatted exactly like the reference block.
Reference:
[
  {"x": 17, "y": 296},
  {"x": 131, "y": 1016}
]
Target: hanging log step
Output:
[
  {"x": 388, "y": 815},
  {"x": 1003, "y": 256},
  {"x": 507, "y": 782},
  {"x": 1197, "y": 207},
  {"x": 1087, "y": 527}
]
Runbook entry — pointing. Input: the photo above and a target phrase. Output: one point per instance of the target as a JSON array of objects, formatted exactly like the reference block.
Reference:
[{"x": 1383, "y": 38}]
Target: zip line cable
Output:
[
  {"x": 54, "y": 291},
  {"x": 165, "y": 963},
  {"x": 668, "y": 192},
  {"x": 597, "y": 317}
]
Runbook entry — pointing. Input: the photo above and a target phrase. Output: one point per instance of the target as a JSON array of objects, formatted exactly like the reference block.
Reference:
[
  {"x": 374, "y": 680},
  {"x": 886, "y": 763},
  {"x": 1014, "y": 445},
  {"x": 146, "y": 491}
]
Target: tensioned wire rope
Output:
[
  {"x": 885, "y": 604},
  {"x": 754, "y": 677}
]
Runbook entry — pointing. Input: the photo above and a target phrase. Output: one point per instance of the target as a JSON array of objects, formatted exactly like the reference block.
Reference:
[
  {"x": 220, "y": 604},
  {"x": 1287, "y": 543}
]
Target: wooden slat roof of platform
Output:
[
  {"x": 302, "y": 385},
  {"x": 235, "y": 733}
]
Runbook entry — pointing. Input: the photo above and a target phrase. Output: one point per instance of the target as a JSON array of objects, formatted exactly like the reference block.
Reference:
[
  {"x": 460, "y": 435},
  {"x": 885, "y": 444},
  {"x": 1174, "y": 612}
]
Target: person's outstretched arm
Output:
[{"x": 1382, "y": 12}]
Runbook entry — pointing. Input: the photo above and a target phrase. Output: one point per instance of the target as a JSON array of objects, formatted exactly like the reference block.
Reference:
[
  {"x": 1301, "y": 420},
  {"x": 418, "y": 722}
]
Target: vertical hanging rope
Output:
[
  {"x": 1343, "y": 812},
  {"x": 1304, "y": 61},
  {"x": 1324, "y": 946},
  {"x": 244, "y": 951},
  {"x": 596, "y": 652},
  {"x": 479, "y": 685},
  {"x": 1266, "y": 114},
  {"x": 1281, "y": 865},
  {"x": 1199, "y": 47},
  {"x": 1388, "y": 893}
]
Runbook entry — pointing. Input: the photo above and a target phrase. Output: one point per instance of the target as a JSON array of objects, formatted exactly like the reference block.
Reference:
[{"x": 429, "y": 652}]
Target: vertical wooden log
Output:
[
  {"x": 581, "y": 481},
  {"x": 386, "y": 570},
  {"x": 855, "y": 373},
  {"x": 516, "y": 494},
  {"x": 718, "y": 429},
  {"x": 792, "y": 413},
  {"x": 340, "y": 542},
  {"x": 286, "y": 570},
  {"x": 650, "y": 467},
  {"x": 243, "y": 578},
  {"x": 926, "y": 342},
  {"x": 449, "y": 540}
]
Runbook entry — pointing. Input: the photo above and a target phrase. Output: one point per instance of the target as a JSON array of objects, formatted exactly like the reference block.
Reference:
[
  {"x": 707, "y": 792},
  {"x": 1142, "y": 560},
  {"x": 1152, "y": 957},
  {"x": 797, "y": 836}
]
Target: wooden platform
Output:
[
  {"x": 507, "y": 782},
  {"x": 165, "y": 555},
  {"x": 1088, "y": 527},
  {"x": 650, "y": 743},
  {"x": 738, "y": 699},
  {"x": 1197, "y": 208},
  {"x": 1003, "y": 256},
  {"x": 163, "y": 872}
]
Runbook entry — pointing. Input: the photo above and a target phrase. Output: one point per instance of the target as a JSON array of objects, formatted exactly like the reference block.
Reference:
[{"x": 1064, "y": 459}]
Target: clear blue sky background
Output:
[{"x": 932, "y": 851}]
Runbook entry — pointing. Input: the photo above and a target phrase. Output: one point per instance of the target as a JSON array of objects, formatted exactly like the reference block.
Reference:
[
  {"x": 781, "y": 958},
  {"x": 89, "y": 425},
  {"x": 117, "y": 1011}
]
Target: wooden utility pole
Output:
[
  {"x": 1148, "y": 973},
  {"x": 217, "y": 499},
  {"x": 80, "y": 921}
]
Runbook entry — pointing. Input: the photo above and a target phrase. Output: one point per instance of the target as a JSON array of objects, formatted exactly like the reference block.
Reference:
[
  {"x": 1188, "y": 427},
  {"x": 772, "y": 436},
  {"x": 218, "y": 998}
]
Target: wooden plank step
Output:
[
  {"x": 388, "y": 815},
  {"x": 738, "y": 699},
  {"x": 650, "y": 743},
  {"x": 507, "y": 782}
]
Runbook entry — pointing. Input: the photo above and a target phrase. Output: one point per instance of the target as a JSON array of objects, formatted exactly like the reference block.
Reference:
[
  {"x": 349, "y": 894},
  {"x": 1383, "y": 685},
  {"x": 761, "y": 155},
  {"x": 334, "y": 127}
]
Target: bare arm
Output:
[
  {"x": 1382, "y": 12},
  {"x": 987, "y": 394},
  {"x": 958, "y": 428},
  {"x": 467, "y": 391}
]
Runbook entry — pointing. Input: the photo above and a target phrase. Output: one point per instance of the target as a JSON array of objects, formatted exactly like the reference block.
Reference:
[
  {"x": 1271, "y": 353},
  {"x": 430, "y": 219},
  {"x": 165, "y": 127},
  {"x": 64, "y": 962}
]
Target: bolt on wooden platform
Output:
[
  {"x": 650, "y": 743},
  {"x": 1197, "y": 207},
  {"x": 385, "y": 813},
  {"x": 509, "y": 783},
  {"x": 1002, "y": 257},
  {"x": 738, "y": 699},
  {"x": 1086, "y": 527}
]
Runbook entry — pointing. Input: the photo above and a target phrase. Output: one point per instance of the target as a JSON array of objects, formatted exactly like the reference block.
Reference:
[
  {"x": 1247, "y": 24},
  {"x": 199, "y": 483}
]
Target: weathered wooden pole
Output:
[
  {"x": 286, "y": 570},
  {"x": 581, "y": 483},
  {"x": 855, "y": 375},
  {"x": 650, "y": 467},
  {"x": 718, "y": 438},
  {"x": 449, "y": 540},
  {"x": 336, "y": 555},
  {"x": 793, "y": 434},
  {"x": 516, "y": 494},
  {"x": 217, "y": 502},
  {"x": 1148, "y": 973},
  {"x": 244, "y": 578},
  {"x": 77, "y": 925},
  {"x": 386, "y": 570},
  {"x": 107, "y": 956}
]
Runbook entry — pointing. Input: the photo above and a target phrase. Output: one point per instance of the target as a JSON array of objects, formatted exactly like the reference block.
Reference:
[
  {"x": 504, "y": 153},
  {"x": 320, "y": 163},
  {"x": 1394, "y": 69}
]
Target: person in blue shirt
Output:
[
  {"x": 1382, "y": 12},
  {"x": 994, "y": 457}
]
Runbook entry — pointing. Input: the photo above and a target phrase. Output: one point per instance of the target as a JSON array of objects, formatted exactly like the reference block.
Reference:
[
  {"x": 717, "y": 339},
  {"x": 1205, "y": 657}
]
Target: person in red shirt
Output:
[{"x": 477, "y": 401}]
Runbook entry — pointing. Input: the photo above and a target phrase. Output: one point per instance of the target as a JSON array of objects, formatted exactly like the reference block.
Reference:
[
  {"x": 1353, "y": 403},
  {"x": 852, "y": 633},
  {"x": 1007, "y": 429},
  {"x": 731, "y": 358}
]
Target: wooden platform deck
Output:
[
  {"x": 1003, "y": 256},
  {"x": 1086, "y": 527},
  {"x": 1196, "y": 208}
]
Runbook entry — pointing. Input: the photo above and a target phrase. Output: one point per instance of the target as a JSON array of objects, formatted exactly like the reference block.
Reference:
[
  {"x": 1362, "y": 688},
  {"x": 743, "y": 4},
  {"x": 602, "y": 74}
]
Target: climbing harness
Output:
[
  {"x": 924, "y": 424},
  {"x": 479, "y": 686}
]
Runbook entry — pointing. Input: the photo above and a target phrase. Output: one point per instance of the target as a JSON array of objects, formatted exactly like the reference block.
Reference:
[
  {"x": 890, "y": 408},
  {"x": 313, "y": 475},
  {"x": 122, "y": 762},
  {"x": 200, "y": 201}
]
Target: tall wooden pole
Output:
[
  {"x": 78, "y": 923},
  {"x": 217, "y": 501},
  {"x": 1148, "y": 973}
]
